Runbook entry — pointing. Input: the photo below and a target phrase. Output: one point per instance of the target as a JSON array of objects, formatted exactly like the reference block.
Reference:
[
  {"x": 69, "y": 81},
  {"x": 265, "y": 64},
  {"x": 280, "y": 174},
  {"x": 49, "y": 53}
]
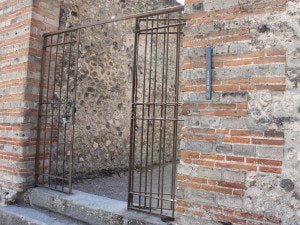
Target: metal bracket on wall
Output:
[{"x": 208, "y": 87}]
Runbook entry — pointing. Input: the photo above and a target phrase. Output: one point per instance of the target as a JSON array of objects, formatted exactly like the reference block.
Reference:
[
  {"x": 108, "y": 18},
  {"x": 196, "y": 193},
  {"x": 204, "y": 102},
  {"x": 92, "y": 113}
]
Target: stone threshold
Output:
[
  {"x": 25, "y": 215},
  {"x": 89, "y": 208}
]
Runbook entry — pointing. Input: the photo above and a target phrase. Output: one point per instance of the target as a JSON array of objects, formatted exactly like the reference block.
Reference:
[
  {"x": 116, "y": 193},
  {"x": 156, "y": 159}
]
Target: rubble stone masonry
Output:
[{"x": 240, "y": 150}]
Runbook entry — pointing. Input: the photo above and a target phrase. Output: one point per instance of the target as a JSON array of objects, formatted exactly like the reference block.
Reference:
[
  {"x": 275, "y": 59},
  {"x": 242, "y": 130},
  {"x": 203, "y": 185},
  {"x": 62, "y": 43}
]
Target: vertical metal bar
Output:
[
  {"x": 161, "y": 115},
  {"x": 174, "y": 160},
  {"x": 133, "y": 120},
  {"x": 136, "y": 94},
  {"x": 46, "y": 110},
  {"x": 154, "y": 113},
  {"x": 148, "y": 114},
  {"x": 143, "y": 110},
  {"x": 73, "y": 112},
  {"x": 208, "y": 73},
  {"x": 59, "y": 106},
  {"x": 52, "y": 111},
  {"x": 165, "y": 113},
  {"x": 66, "y": 110},
  {"x": 41, "y": 95}
]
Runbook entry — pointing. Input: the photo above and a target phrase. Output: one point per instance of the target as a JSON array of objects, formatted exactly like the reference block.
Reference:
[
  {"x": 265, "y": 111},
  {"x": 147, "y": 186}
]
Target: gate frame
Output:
[
  {"x": 133, "y": 150},
  {"x": 78, "y": 29}
]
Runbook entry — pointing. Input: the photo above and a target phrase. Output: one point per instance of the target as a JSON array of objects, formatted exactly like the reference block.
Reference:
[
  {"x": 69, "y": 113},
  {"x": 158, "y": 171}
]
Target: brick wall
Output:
[
  {"x": 22, "y": 23},
  {"x": 238, "y": 151}
]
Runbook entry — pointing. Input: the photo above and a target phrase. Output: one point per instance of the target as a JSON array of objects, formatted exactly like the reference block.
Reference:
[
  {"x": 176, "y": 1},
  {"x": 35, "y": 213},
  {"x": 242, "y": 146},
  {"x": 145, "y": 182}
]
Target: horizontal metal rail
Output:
[
  {"x": 162, "y": 27},
  {"x": 141, "y": 15}
]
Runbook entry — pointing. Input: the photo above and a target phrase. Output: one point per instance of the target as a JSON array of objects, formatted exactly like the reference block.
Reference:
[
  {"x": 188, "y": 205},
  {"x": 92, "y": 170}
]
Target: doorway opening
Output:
[{"x": 128, "y": 116}]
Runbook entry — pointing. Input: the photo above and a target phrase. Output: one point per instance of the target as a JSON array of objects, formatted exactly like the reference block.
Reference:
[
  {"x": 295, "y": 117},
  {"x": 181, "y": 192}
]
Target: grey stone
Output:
[
  {"x": 233, "y": 176},
  {"x": 88, "y": 208},
  {"x": 229, "y": 201},
  {"x": 195, "y": 221},
  {"x": 224, "y": 149},
  {"x": 236, "y": 123},
  {"x": 200, "y": 196},
  {"x": 287, "y": 185},
  {"x": 244, "y": 150},
  {"x": 210, "y": 173},
  {"x": 234, "y": 97},
  {"x": 22, "y": 215},
  {"x": 202, "y": 121},
  {"x": 7, "y": 197},
  {"x": 270, "y": 152},
  {"x": 197, "y": 146}
]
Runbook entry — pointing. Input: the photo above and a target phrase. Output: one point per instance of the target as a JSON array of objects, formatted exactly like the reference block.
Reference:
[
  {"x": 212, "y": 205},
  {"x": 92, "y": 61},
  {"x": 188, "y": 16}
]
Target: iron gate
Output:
[
  {"x": 56, "y": 121},
  {"x": 154, "y": 119},
  {"x": 154, "y": 122}
]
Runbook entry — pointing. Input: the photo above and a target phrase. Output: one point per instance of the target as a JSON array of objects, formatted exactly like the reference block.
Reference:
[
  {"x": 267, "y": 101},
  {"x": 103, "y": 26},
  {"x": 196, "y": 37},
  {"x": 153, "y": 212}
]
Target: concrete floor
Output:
[{"x": 116, "y": 186}]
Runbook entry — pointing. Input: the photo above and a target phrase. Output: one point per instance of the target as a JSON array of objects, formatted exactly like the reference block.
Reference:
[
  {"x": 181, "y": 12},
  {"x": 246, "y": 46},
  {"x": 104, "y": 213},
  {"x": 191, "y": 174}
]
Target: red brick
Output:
[
  {"x": 236, "y": 140},
  {"x": 231, "y": 185},
  {"x": 245, "y": 133},
  {"x": 273, "y": 133},
  {"x": 238, "y": 192},
  {"x": 189, "y": 154},
  {"x": 267, "y": 142},
  {"x": 198, "y": 137},
  {"x": 194, "y": 186},
  {"x": 198, "y": 180},
  {"x": 235, "y": 158},
  {"x": 270, "y": 169},
  {"x": 180, "y": 210},
  {"x": 204, "y": 163},
  {"x": 268, "y": 162},
  {"x": 196, "y": 213},
  {"x": 212, "y": 156},
  {"x": 236, "y": 166}
]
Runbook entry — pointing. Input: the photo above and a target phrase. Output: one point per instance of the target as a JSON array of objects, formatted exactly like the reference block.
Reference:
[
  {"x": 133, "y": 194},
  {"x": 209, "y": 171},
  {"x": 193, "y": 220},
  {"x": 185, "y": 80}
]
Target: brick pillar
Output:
[
  {"x": 239, "y": 162},
  {"x": 22, "y": 24}
]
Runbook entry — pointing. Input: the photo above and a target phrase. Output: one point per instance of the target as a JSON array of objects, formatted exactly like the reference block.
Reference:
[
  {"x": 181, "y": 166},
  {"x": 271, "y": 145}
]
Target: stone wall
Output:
[
  {"x": 240, "y": 150},
  {"x": 104, "y": 82},
  {"x": 22, "y": 24}
]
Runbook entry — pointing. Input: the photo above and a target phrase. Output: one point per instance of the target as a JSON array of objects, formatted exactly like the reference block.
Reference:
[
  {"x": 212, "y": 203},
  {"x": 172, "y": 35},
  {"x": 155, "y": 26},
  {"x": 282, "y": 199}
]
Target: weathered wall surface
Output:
[
  {"x": 240, "y": 150},
  {"x": 22, "y": 24},
  {"x": 104, "y": 82}
]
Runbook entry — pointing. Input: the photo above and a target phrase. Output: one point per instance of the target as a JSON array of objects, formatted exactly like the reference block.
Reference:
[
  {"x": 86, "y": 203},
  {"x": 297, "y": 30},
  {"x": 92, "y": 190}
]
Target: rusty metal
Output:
[
  {"x": 154, "y": 119},
  {"x": 56, "y": 119},
  {"x": 154, "y": 115},
  {"x": 134, "y": 16}
]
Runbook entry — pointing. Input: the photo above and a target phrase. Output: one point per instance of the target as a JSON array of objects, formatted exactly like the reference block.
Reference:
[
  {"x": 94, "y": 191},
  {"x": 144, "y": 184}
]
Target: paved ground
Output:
[{"x": 116, "y": 186}]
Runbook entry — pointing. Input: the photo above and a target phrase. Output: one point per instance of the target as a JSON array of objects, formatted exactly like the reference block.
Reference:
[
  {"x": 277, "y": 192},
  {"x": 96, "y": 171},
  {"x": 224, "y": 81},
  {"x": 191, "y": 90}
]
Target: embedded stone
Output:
[{"x": 287, "y": 185}]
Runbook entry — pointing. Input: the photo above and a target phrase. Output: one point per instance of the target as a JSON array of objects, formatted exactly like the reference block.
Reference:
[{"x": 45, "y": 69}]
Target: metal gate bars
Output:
[
  {"x": 154, "y": 118},
  {"x": 56, "y": 122},
  {"x": 154, "y": 122}
]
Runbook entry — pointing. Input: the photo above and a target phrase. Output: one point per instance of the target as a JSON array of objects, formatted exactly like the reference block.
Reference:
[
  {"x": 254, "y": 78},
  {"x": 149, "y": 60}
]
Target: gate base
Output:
[{"x": 91, "y": 209}]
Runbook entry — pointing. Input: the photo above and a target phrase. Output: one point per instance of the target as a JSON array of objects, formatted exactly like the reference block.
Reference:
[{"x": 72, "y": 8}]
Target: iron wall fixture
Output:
[{"x": 208, "y": 51}]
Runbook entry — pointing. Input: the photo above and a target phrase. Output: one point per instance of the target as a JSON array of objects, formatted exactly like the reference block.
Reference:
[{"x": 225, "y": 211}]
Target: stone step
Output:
[
  {"x": 91, "y": 209},
  {"x": 23, "y": 215}
]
